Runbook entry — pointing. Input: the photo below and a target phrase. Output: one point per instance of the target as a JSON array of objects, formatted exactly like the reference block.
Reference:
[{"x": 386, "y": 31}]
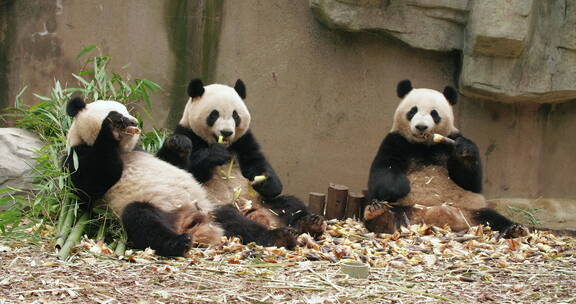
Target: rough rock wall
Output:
[{"x": 513, "y": 51}]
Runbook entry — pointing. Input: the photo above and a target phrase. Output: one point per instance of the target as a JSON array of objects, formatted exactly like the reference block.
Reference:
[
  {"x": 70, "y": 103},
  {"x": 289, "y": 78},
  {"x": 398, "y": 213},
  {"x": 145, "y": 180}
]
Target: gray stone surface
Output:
[
  {"x": 513, "y": 51},
  {"x": 17, "y": 148},
  {"x": 427, "y": 24}
]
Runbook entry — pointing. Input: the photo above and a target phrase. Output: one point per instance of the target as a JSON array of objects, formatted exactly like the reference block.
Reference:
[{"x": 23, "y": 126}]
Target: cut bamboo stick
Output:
[
  {"x": 364, "y": 203},
  {"x": 354, "y": 204},
  {"x": 336, "y": 201},
  {"x": 316, "y": 203}
]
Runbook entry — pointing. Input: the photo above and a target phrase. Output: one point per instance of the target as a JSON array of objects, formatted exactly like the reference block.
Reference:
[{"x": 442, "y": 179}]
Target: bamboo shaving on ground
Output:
[{"x": 419, "y": 264}]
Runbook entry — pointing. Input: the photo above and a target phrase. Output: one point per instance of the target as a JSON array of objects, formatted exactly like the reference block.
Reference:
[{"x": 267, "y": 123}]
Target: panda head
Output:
[
  {"x": 423, "y": 112},
  {"x": 88, "y": 120},
  {"x": 216, "y": 110}
]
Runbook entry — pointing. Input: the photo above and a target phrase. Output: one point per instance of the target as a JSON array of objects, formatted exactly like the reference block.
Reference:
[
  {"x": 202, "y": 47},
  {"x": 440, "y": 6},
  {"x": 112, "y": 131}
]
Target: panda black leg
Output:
[
  {"x": 148, "y": 226},
  {"x": 292, "y": 212},
  {"x": 235, "y": 224},
  {"x": 498, "y": 222}
]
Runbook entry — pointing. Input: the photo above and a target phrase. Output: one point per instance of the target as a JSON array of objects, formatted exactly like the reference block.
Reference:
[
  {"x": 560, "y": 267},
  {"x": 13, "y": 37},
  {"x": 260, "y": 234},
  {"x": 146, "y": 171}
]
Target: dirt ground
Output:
[{"x": 418, "y": 265}]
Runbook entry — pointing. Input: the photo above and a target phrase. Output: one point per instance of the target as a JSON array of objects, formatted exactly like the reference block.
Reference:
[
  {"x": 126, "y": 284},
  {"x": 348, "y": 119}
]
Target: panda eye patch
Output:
[
  {"x": 236, "y": 117},
  {"x": 411, "y": 113},
  {"x": 211, "y": 119},
  {"x": 435, "y": 116}
]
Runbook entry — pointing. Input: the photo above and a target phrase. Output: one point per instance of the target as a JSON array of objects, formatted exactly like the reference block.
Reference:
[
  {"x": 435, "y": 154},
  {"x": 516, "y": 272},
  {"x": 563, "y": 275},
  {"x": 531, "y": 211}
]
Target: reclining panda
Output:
[
  {"x": 420, "y": 177},
  {"x": 214, "y": 143},
  {"x": 160, "y": 205}
]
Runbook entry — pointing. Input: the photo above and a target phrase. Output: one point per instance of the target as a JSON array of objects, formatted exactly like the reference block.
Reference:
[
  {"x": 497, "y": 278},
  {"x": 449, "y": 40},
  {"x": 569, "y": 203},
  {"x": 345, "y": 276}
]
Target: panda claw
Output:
[
  {"x": 374, "y": 210},
  {"x": 515, "y": 231},
  {"x": 313, "y": 225}
]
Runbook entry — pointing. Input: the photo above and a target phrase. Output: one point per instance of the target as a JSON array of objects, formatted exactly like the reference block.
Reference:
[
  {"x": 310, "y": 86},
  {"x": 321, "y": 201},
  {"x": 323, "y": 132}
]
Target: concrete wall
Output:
[{"x": 321, "y": 100}]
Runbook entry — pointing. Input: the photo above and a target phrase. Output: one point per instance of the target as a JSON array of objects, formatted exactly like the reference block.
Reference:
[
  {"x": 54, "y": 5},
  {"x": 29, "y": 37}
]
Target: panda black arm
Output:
[
  {"x": 253, "y": 162},
  {"x": 387, "y": 180},
  {"x": 200, "y": 161},
  {"x": 464, "y": 164},
  {"x": 99, "y": 166}
]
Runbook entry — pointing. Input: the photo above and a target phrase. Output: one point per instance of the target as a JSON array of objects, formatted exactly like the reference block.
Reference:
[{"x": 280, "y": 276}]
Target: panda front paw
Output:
[
  {"x": 515, "y": 231},
  {"x": 465, "y": 149},
  {"x": 283, "y": 237},
  {"x": 177, "y": 246},
  {"x": 218, "y": 154},
  {"x": 117, "y": 121},
  {"x": 179, "y": 144},
  {"x": 271, "y": 187},
  {"x": 312, "y": 224}
]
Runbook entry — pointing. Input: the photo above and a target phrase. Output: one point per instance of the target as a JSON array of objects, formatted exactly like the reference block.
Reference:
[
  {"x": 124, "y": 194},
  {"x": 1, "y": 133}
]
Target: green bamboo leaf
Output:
[{"x": 87, "y": 49}]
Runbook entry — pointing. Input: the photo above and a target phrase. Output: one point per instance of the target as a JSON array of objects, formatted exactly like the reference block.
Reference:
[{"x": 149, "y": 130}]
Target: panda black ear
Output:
[
  {"x": 240, "y": 88},
  {"x": 404, "y": 87},
  {"x": 74, "y": 106},
  {"x": 195, "y": 88},
  {"x": 451, "y": 94}
]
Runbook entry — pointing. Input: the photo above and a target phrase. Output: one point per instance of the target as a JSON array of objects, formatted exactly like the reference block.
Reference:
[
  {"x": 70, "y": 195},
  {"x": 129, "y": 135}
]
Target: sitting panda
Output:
[
  {"x": 160, "y": 205},
  {"x": 420, "y": 177},
  {"x": 214, "y": 143}
]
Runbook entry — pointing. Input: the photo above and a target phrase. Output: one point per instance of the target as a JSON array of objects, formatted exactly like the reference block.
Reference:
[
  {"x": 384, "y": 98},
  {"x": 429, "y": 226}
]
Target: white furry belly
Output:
[
  {"x": 233, "y": 189},
  {"x": 148, "y": 179},
  {"x": 432, "y": 186}
]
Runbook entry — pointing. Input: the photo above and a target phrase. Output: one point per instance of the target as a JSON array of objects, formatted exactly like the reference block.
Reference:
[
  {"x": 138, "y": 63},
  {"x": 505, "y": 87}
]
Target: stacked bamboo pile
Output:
[{"x": 339, "y": 203}]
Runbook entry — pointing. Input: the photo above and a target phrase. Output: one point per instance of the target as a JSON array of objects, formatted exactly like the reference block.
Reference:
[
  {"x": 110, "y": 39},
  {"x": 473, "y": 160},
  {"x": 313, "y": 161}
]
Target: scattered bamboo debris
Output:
[{"x": 419, "y": 264}]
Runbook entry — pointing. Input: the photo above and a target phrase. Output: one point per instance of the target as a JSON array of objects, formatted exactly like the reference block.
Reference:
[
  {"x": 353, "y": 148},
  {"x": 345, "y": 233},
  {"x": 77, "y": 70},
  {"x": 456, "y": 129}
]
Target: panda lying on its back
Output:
[
  {"x": 160, "y": 206},
  {"x": 425, "y": 181},
  {"x": 213, "y": 131}
]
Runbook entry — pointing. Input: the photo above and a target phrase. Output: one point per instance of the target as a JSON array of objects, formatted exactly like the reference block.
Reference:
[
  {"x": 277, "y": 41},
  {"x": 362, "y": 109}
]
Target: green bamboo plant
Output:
[{"x": 52, "y": 202}]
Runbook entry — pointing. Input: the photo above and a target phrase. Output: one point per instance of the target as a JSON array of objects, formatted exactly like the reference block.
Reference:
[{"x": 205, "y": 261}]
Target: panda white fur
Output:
[
  {"x": 414, "y": 179},
  {"x": 160, "y": 205},
  {"x": 218, "y": 111}
]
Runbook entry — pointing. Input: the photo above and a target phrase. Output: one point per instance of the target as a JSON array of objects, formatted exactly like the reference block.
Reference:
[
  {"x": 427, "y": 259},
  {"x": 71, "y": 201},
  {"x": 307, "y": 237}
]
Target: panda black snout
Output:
[
  {"x": 421, "y": 128},
  {"x": 226, "y": 133}
]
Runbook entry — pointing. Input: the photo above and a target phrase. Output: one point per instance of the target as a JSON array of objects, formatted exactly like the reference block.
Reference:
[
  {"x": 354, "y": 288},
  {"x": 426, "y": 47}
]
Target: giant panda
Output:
[
  {"x": 214, "y": 143},
  {"x": 160, "y": 206},
  {"x": 416, "y": 178}
]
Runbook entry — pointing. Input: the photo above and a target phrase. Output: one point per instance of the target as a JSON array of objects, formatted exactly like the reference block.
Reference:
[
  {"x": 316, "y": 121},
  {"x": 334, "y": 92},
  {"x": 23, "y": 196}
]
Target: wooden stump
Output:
[
  {"x": 336, "y": 201},
  {"x": 364, "y": 203},
  {"x": 316, "y": 203},
  {"x": 354, "y": 205}
]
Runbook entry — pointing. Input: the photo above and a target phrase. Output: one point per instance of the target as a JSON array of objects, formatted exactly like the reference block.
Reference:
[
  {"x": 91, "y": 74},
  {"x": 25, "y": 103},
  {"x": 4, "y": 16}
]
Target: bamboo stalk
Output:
[
  {"x": 65, "y": 228},
  {"x": 62, "y": 216},
  {"x": 113, "y": 245},
  {"x": 74, "y": 236},
  {"x": 101, "y": 231},
  {"x": 120, "y": 247}
]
